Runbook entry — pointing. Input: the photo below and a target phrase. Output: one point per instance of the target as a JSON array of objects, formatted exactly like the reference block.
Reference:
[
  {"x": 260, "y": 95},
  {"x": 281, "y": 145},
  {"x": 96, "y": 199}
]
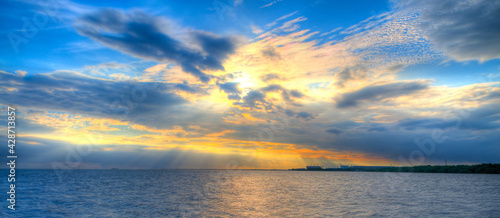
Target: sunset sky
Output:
[{"x": 267, "y": 84}]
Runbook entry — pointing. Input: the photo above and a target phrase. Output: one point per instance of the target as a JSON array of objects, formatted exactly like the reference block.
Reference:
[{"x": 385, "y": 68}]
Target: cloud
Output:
[
  {"x": 285, "y": 93},
  {"x": 469, "y": 136},
  {"x": 141, "y": 35},
  {"x": 271, "y": 53},
  {"x": 304, "y": 115},
  {"x": 30, "y": 126},
  {"x": 379, "y": 92},
  {"x": 343, "y": 76},
  {"x": 272, "y": 88},
  {"x": 251, "y": 99},
  {"x": 334, "y": 131},
  {"x": 232, "y": 90},
  {"x": 465, "y": 30},
  {"x": 230, "y": 87},
  {"x": 427, "y": 123},
  {"x": 398, "y": 146},
  {"x": 486, "y": 117},
  {"x": 270, "y": 4},
  {"x": 21, "y": 73},
  {"x": 296, "y": 93},
  {"x": 274, "y": 23},
  {"x": 493, "y": 95},
  {"x": 348, "y": 74},
  {"x": 270, "y": 77},
  {"x": 256, "y": 29},
  {"x": 186, "y": 88},
  {"x": 77, "y": 93},
  {"x": 291, "y": 25}
]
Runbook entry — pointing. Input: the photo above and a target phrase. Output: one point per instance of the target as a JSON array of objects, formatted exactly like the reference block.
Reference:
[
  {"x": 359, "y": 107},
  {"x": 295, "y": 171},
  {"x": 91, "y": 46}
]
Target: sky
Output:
[{"x": 264, "y": 84}]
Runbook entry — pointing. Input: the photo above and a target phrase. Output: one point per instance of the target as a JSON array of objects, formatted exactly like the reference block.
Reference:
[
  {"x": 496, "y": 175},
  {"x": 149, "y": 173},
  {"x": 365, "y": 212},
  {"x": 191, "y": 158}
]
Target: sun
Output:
[{"x": 246, "y": 82}]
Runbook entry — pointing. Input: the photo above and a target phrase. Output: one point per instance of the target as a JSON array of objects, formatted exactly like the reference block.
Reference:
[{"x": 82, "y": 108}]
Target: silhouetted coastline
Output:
[{"x": 485, "y": 168}]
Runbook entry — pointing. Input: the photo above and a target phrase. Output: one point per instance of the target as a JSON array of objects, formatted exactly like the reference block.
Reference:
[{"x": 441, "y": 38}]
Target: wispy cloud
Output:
[
  {"x": 275, "y": 22},
  {"x": 271, "y": 3}
]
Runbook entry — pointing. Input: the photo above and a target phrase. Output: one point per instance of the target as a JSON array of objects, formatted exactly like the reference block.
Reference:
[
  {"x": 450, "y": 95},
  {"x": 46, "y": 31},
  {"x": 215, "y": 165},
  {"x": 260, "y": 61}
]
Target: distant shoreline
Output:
[{"x": 475, "y": 169}]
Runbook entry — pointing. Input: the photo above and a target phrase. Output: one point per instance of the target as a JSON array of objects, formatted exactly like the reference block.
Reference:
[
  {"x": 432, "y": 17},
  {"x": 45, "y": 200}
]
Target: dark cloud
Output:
[
  {"x": 394, "y": 140},
  {"x": 304, "y": 115},
  {"x": 465, "y": 30},
  {"x": 232, "y": 90},
  {"x": 252, "y": 99},
  {"x": 186, "y": 88},
  {"x": 459, "y": 146},
  {"x": 334, "y": 131},
  {"x": 483, "y": 118},
  {"x": 77, "y": 93},
  {"x": 230, "y": 87},
  {"x": 218, "y": 48},
  {"x": 454, "y": 139},
  {"x": 296, "y": 93},
  {"x": 141, "y": 35},
  {"x": 379, "y": 92},
  {"x": 486, "y": 117}
]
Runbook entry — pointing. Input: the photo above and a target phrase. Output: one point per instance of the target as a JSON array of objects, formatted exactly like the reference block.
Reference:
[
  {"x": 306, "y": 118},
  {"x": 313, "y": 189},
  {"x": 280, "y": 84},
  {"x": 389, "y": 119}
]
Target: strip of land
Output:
[{"x": 485, "y": 168}]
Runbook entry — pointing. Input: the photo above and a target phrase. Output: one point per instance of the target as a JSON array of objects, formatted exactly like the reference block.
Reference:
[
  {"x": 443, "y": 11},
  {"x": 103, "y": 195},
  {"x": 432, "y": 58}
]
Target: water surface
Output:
[{"x": 188, "y": 193}]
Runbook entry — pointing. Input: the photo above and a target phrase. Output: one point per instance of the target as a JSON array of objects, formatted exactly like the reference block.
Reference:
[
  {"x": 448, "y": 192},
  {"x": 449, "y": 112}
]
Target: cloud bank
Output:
[
  {"x": 142, "y": 35},
  {"x": 465, "y": 30}
]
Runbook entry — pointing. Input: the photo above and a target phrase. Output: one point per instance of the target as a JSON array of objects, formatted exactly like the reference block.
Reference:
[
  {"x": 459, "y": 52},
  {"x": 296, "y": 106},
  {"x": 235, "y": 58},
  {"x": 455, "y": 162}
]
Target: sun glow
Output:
[{"x": 245, "y": 82}]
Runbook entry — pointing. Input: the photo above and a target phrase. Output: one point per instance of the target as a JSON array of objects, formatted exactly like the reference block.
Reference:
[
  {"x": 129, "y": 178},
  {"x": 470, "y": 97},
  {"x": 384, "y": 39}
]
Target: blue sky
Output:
[
  {"x": 263, "y": 84},
  {"x": 58, "y": 37}
]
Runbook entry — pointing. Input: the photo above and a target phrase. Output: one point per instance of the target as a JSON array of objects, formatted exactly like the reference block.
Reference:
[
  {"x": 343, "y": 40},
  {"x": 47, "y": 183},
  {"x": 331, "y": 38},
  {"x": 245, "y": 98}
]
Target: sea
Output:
[{"x": 249, "y": 193}]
